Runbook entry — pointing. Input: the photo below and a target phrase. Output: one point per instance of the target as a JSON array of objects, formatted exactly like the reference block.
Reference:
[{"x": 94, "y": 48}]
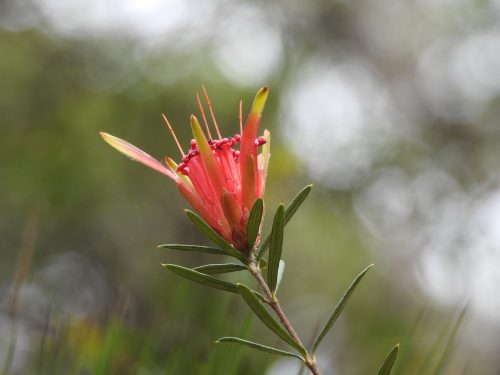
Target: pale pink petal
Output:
[{"x": 138, "y": 155}]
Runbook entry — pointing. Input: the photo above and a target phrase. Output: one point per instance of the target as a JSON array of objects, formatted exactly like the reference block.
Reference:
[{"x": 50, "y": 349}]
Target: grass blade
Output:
[
  {"x": 340, "y": 306},
  {"x": 201, "y": 278},
  {"x": 289, "y": 212},
  {"x": 275, "y": 248},
  {"x": 254, "y": 221},
  {"x": 267, "y": 319},
  {"x": 215, "y": 237},
  {"x": 262, "y": 348},
  {"x": 194, "y": 248},
  {"x": 449, "y": 344},
  {"x": 386, "y": 367},
  {"x": 209, "y": 269}
]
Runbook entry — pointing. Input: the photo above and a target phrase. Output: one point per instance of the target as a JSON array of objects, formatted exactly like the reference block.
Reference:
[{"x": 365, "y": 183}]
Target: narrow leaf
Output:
[
  {"x": 219, "y": 268},
  {"x": 254, "y": 345},
  {"x": 275, "y": 248},
  {"x": 254, "y": 221},
  {"x": 195, "y": 248},
  {"x": 340, "y": 306},
  {"x": 267, "y": 319},
  {"x": 289, "y": 212},
  {"x": 215, "y": 237},
  {"x": 386, "y": 367},
  {"x": 296, "y": 203},
  {"x": 201, "y": 278},
  {"x": 449, "y": 344}
]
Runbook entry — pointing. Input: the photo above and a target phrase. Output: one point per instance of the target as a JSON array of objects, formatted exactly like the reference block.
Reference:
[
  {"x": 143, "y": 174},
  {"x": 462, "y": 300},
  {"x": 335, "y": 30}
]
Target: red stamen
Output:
[
  {"x": 173, "y": 134},
  {"x": 211, "y": 110},
  {"x": 203, "y": 115}
]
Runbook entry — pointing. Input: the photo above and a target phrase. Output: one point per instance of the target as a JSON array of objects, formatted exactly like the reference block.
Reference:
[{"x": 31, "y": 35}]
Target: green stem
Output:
[{"x": 273, "y": 302}]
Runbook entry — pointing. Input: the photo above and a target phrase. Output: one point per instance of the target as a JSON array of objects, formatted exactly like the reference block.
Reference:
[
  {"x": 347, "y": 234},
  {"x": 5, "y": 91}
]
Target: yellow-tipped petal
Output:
[
  {"x": 137, "y": 154},
  {"x": 171, "y": 163},
  {"x": 260, "y": 101},
  {"x": 263, "y": 159},
  {"x": 173, "y": 166},
  {"x": 206, "y": 155}
]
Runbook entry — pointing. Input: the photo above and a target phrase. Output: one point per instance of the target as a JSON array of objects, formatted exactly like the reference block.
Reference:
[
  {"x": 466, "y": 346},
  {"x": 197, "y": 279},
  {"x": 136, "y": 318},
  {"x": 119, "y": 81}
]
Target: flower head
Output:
[{"x": 221, "y": 178}]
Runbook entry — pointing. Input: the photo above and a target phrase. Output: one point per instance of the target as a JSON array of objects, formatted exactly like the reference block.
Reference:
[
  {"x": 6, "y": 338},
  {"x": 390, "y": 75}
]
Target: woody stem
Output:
[{"x": 273, "y": 302}]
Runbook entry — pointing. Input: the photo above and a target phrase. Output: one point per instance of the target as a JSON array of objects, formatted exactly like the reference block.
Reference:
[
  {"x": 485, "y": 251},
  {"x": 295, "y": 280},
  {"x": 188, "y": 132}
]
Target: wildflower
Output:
[{"x": 220, "y": 180}]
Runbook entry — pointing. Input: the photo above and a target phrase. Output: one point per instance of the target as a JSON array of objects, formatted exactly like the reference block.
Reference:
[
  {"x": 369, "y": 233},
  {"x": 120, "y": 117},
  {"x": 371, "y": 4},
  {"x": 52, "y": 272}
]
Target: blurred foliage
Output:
[{"x": 95, "y": 299}]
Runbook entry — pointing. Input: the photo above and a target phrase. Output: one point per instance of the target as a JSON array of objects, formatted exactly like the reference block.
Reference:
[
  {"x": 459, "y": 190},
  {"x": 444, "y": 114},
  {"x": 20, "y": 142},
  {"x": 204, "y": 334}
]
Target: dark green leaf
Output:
[
  {"x": 386, "y": 367},
  {"x": 204, "y": 279},
  {"x": 195, "y": 248},
  {"x": 258, "y": 346},
  {"x": 215, "y": 237},
  {"x": 289, "y": 212},
  {"x": 296, "y": 203},
  {"x": 275, "y": 248},
  {"x": 201, "y": 278},
  {"x": 340, "y": 306},
  {"x": 267, "y": 319},
  {"x": 254, "y": 220},
  {"x": 219, "y": 268}
]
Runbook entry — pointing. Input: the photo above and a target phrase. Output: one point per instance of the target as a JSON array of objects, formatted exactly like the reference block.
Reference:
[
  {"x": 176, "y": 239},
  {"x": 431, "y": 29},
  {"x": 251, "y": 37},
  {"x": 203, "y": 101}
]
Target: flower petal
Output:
[
  {"x": 249, "y": 185},
  {"x": 137, "y": 154},
  {"x": 250, "y": 131},
  {"x": 263, "y": 161},
  {"x": 207, "y": 157}
]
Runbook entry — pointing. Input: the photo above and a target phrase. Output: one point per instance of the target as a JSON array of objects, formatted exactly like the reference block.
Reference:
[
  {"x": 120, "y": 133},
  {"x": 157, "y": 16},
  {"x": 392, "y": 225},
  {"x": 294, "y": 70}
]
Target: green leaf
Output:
[
  {"x": 340, "y": 306},
  {"x": 204, "y": 279},
  {"x": 219, "y": 268},
  {"x": 386, "y": 367},
  {"x": 296, "y": 203},
  {"x": 267, "y": 319},
  {"x": 201, "y": 278},
  {"x": 215, "y": 237},
  {"x": 449, "y": 343},
  {"x": 263, "y": 348},
  {"x": 289, "y": 212},
  {"x": 253, "y": 224},
  {"x": 195, "y": 248},
  {"x": 275, "y": 248}
]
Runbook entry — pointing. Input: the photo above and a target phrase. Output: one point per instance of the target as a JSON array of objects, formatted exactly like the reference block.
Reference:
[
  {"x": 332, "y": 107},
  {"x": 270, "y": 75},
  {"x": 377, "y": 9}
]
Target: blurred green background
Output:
[{"x": 390, "y": 108}]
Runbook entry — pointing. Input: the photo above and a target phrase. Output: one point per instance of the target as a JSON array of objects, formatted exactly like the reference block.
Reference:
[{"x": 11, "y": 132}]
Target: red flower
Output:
[{"x": 219, "y": 181}]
